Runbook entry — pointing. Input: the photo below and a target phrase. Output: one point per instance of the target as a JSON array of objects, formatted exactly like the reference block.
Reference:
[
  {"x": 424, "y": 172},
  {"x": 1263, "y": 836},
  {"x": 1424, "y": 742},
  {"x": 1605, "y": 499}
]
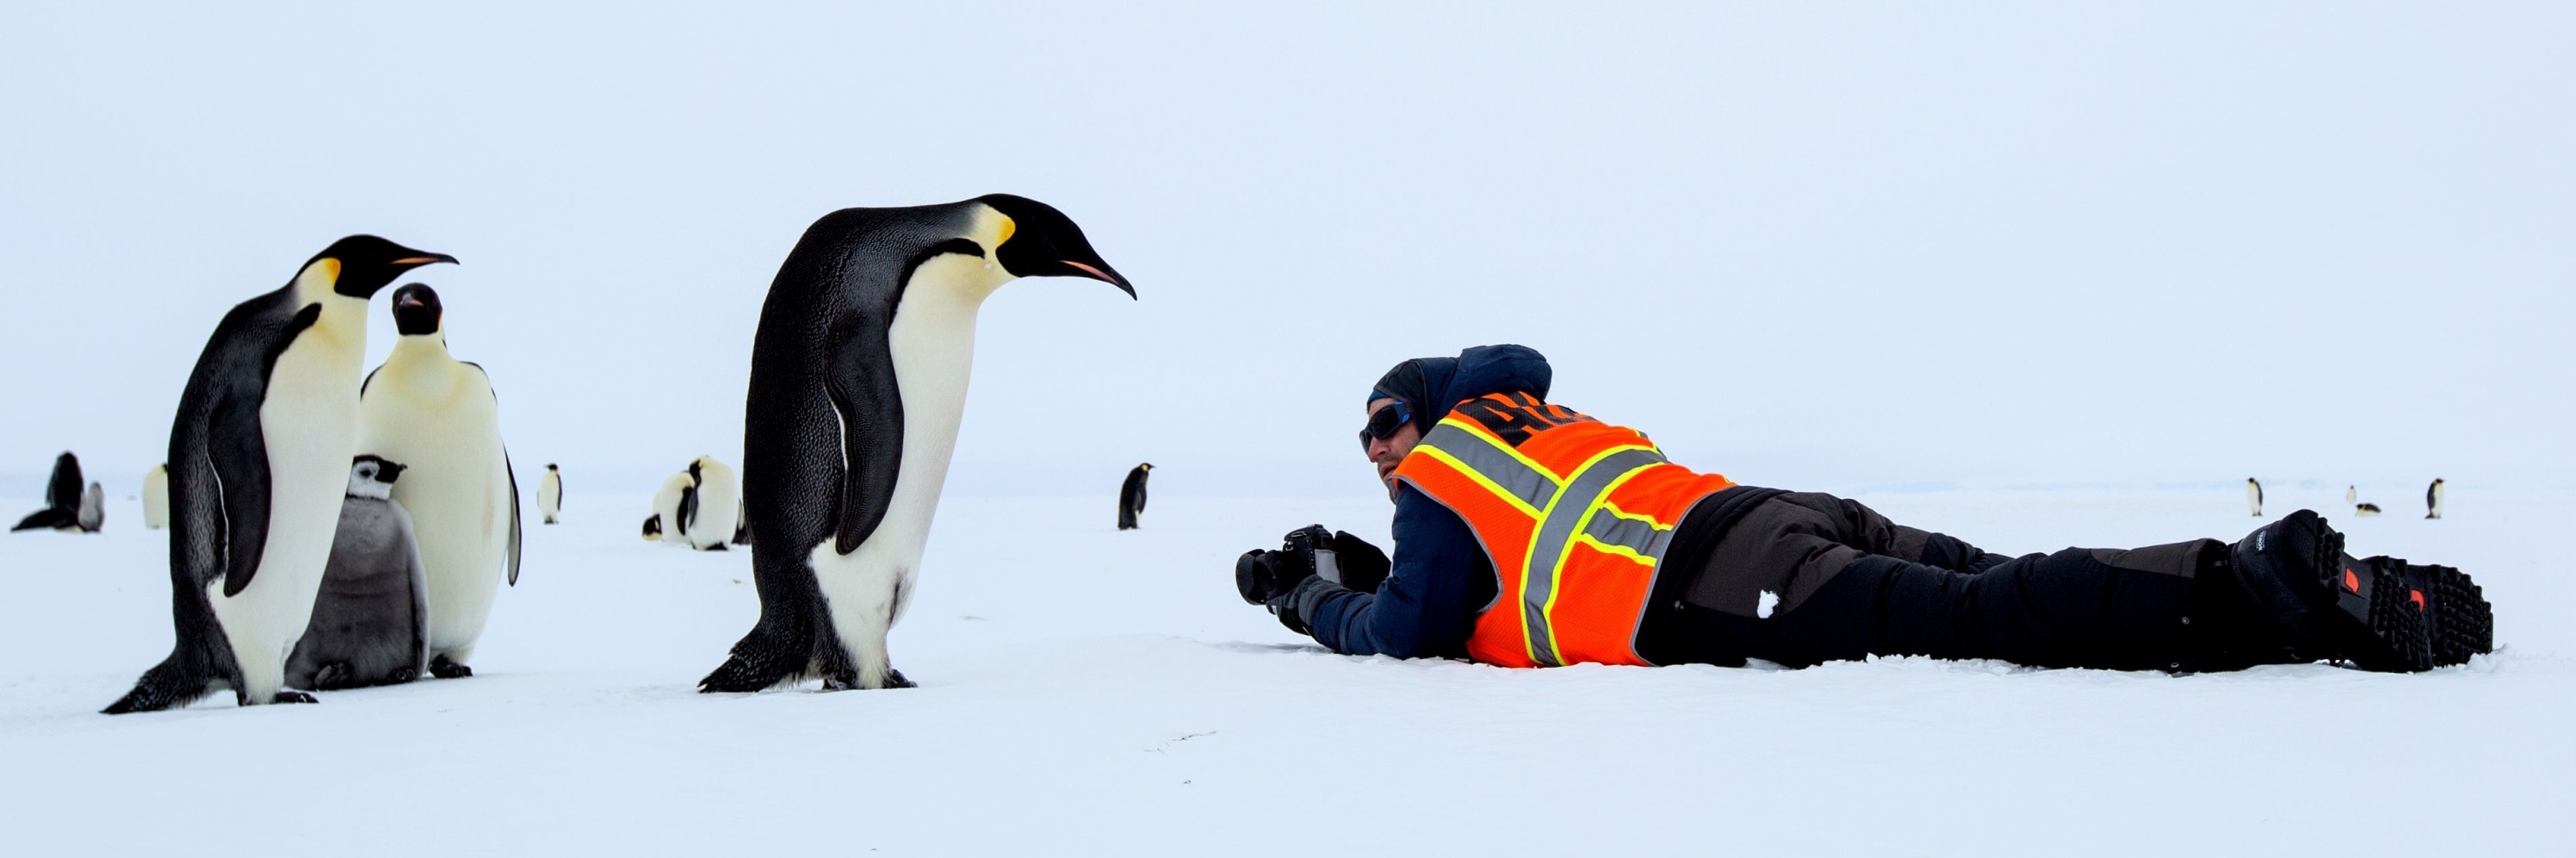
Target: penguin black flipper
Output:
[
  {"x": 513, "y": 473},
  {"x": 870, "y": 406},
  {"x": 238, "y": 449}
]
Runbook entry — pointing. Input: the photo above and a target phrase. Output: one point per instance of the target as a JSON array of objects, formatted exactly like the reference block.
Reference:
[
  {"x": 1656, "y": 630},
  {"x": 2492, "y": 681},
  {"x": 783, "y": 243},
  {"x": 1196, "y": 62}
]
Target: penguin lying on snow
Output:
[
  {"x": 62, "y": 498},
  {"x": 370, "y": 623},
  {"x": 858, "y": 379},
  {"x": 259, "y": 462},
  {"x": 1131, "y": 496},
  {"x": 439, "y": 417}
]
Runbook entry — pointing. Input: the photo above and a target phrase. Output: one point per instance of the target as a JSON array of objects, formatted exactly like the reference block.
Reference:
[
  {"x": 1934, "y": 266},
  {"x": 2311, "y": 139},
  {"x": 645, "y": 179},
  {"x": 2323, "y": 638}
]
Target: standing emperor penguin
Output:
[
  {"x": 438, "y": 416},
  {"x": 550, "y": 494},
  {"x": 2254, "y": 496},
  {"x": 1131, "y": 496},
  {"x": 2433, "y": 499},
  {"x": 259, "y": 461},
  {"x": 370, "y": 624},
  {"x": 673, "y": 506},
  {"x": 717, "y": 505},
  {"x": 858, "y": 381},
  {"x": 156, "y": 497},
  {"x": 62, "y": 498}
]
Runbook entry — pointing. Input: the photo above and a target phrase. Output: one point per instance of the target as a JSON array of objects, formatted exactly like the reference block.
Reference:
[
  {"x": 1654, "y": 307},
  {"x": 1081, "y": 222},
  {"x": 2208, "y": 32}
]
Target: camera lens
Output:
[{"x": 1252, "y": 577}]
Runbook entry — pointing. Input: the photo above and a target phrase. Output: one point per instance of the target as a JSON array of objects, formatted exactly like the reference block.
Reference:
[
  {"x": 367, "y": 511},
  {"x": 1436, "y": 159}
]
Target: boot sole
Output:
[
  {"x": 2462, "y": 622},
  {"x": 2387, "y": 624}
]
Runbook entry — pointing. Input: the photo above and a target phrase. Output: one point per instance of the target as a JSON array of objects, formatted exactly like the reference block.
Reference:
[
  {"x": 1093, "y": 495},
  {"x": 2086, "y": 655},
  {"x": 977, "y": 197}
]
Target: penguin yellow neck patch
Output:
[{"x": 1008, "y": 227}]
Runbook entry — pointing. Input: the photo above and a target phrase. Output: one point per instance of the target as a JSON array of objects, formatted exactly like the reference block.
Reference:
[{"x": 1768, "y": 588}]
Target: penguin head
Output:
[
  {"x": 550, "y": 466},
  {"x": 377, "y": 469},
  {"x": 417, "y": 312},
  {"x": 1038, "y": 241},
  {"x": 1148, "y": 466},
  {"x": 362, "y": 265},
  {"x": 653, "y": 527}
]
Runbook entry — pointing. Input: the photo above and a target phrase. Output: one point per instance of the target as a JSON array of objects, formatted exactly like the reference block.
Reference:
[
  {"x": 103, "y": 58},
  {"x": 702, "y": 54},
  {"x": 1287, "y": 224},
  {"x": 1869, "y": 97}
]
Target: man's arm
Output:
[{"x": 1422, "y": 609}]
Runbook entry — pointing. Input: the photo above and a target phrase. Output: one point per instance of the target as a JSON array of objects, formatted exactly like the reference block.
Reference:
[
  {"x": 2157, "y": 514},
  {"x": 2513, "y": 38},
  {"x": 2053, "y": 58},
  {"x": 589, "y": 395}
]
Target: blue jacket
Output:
[{"x": 1441, "y": 577}]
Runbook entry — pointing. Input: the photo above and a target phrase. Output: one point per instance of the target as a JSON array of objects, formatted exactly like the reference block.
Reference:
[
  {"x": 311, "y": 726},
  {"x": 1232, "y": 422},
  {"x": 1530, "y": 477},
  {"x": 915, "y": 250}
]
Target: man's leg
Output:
[{"x": 1858, "y": 526}]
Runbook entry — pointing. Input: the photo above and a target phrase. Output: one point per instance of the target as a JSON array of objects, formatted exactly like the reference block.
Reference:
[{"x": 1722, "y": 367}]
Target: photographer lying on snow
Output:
[{"x": 1529, "y": 535}]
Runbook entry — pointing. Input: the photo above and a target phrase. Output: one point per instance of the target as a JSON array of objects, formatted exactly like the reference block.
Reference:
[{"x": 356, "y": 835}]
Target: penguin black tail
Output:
[{"x": 166, "y": 685}]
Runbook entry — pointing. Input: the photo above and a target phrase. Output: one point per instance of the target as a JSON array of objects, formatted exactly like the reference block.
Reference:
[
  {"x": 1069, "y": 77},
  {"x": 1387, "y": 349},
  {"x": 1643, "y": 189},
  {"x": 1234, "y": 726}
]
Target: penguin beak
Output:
[
  {"x": 425, "y": 259},
  {"x": 1104, "y": 275}
]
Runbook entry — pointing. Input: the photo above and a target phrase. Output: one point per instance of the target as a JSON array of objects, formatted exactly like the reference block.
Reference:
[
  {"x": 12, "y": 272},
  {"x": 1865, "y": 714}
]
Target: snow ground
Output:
[{"x": 1086, "y": 691}]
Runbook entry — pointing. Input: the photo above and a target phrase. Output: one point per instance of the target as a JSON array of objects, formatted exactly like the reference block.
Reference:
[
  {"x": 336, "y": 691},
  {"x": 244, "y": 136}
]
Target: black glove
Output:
[{"x": 1364, "y": 568}]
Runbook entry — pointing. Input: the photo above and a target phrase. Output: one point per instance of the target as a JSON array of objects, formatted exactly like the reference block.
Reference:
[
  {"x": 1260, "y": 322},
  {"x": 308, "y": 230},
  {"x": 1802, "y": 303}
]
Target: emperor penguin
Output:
[
  {"x": 718, "y": 504},
  {"x": 156, "y": 497},
  {"x": 858, "y": 383},
  {"x": 1131, "y": 496},
  {"x": 2254, "y": 496},
  {"x": 550, "y": 494},
  {"x": 673, "y": 506},
  {"x": 62, "y": 498},
  {"x": 438, "y": 416},
  {"x": 259, "y": 462},
  {"x": 370, "y": 623},
  {"x": 2433, "y": 499},
  {"x": 93, "y": 508}
]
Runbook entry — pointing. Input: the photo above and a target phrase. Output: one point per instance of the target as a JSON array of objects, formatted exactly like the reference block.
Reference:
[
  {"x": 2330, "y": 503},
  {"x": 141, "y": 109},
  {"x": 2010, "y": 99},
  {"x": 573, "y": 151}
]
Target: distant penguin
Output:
[
  {"x": 93, "y": 508},
  {"x": 2433, "y": 499},
  {"x": 370, "y": 623},
  {"x": 2351, "y": 497},
  {"x": 858, "y": 382},
  {"x": 438, "y": 416},
  {"x": 156, "y": 497},
  {"x": 2365, "y": 510},
  {"x": 2254, "y": 496},
  {"x": 1131, "y": 496},
  {"x": 62, "y": 498},
  {"x": 259, "y": 463},
  {"x": 719, "y": 504},
  {"x": 673, "y": 506},
  {"x": 550, "y": 494}
]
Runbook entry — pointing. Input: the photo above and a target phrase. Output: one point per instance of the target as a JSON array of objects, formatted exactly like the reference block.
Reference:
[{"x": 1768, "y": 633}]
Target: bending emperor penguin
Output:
[
  {"x": 259, "y": 462},
  {"x": 1131, "y": 496},
  {"x": 550, "y": 494},
  {"x": 62, "y": 498},
  {"x": 2254, "y": 496},
  {"x": 858, "y": 382},
  {"x": 370, "y": 624},
  {"x": 437, "y": 415},
  {"x": 715, "y": 511},
  {"x": 2433, "y": 499},
  {"x": 673, "y": 506},
  {"x": 156, "y": 497}
]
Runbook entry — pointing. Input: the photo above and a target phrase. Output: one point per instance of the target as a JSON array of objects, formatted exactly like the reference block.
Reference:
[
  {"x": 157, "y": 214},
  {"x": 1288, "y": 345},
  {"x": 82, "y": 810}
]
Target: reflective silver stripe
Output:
[
  {"x": 1555, "y": 529},
  {"x": 1496, "y": 465},
  {"x": 1635, "y": 535}
]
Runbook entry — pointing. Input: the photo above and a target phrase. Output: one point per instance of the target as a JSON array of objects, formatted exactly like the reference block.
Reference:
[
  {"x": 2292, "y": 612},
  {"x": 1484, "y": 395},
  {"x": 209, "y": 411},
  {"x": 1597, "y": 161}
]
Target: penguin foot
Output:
[
  {"x": 402, "y": 675},
  {"x": 333, "y": 675},
  {"x": 292, "y": 697},
  {"x": 894, "y": 679},
  {"x": 442, "y": 668}
]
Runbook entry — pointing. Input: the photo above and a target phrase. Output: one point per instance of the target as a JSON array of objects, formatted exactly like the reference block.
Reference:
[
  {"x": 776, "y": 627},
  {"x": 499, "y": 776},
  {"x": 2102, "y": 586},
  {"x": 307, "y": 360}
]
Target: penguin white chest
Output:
[
  {"x": 437, "y": 417},
  {"x": 932, "y": 345},
  {"x": 309, "y": 425}
]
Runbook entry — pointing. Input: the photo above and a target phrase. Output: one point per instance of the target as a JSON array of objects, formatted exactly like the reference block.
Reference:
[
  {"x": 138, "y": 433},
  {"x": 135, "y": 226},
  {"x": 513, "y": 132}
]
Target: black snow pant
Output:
[{"x": 1800, "y": 578}]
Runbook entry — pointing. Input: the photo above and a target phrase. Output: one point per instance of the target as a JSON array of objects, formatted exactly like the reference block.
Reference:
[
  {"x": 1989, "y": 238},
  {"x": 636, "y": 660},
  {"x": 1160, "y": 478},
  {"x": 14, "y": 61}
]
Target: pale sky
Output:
[{"x": 1823, "y": 247}]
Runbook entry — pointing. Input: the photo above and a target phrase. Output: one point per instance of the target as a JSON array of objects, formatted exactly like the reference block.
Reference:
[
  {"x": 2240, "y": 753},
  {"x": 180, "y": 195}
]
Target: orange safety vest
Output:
[{"x": 1575, "y": 515}]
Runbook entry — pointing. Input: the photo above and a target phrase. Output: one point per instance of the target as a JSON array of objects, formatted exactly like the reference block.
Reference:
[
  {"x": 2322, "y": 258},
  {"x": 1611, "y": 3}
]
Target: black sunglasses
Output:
[{"x": 1383, "y": 422}]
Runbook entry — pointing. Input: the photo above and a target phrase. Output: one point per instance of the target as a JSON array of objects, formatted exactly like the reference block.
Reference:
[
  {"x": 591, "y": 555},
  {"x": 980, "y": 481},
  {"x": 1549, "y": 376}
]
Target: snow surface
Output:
[{"x": 1086, "y": 691}]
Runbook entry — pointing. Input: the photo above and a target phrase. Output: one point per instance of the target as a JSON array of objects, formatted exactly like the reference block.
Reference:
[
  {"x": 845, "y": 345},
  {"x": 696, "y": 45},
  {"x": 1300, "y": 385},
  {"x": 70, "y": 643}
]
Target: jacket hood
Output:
[{"x": 1431, "y": 386}]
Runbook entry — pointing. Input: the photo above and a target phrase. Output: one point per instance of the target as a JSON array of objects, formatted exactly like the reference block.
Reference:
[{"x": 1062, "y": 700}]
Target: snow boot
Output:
[
  {"x": 2461, "y": 622},
  {"x": 2361, "y": 612}
]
